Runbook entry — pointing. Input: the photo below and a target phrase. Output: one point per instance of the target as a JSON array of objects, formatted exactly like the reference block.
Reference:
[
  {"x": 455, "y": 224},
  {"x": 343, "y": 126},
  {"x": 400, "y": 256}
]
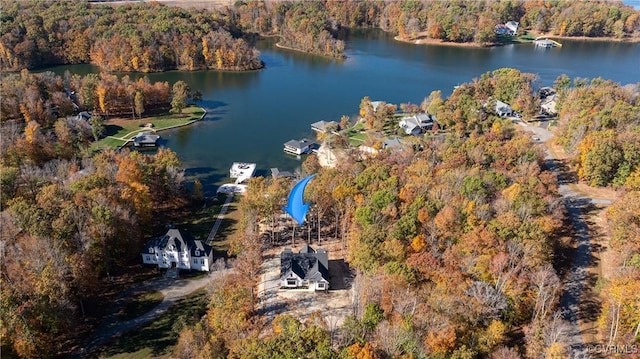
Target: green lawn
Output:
[
  {"x": 125, "y": 129},
  {"x": 157, "y": 339},
  {"x": 139, "y": 304},
  {"x": 200, "y": 221}
]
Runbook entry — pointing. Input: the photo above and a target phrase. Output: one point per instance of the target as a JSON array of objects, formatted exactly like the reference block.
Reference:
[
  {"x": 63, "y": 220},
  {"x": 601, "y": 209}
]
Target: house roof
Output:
[
  {"x": 275, "y": 173},
  {"x": 375, "y": 104},
  {"x": 303, "y": 143},
  {"x": 146, "y": 137},
  {"x": 308, "y": 264},
  {"x": 411, "y": 123},
  {"x": 322, "y": 125},
  {"x": 181, "y": 241},
  {"x": 392, "y": 142}
]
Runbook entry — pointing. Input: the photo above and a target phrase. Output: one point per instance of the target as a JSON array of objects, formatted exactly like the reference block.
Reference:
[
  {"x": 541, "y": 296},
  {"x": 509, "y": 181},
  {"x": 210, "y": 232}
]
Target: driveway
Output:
[
  {"x": 574, "y": 284},
  {"x": 172, "y": 290}
]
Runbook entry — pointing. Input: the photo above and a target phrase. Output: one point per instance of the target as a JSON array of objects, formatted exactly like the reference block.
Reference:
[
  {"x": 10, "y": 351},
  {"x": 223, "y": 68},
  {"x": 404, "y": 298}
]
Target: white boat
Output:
[{"x": 242, "y": 171}]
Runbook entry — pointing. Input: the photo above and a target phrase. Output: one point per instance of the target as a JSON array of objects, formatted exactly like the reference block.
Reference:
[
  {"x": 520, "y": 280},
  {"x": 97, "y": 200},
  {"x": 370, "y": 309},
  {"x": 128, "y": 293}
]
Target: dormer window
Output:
[
  {"x": 150, "y": 250},
  {"x": 197, "y": 253}
]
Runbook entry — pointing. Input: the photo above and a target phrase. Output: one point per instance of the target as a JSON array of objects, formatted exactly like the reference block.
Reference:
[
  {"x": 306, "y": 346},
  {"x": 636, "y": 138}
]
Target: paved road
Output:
[
  {"x": 575, "y": 203},
  {"x": 172, "y": 289}
]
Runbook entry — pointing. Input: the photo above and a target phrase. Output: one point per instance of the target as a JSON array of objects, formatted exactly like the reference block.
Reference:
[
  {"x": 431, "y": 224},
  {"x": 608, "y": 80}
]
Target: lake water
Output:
[{"x": 251, "y": 115}]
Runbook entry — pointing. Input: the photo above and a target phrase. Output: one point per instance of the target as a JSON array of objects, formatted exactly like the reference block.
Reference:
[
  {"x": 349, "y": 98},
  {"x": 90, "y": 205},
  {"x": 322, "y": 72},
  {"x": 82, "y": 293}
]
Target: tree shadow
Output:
[
  {"x": 339, "y": 275},
  {"x": 566, "y": 175},
  {"x": 111, "y": 130}
]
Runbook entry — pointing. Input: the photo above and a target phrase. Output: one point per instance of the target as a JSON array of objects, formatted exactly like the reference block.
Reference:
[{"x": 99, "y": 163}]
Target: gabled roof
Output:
[
  {"x": 309, "y": 264},
  {"x": 180, "y": 240}
]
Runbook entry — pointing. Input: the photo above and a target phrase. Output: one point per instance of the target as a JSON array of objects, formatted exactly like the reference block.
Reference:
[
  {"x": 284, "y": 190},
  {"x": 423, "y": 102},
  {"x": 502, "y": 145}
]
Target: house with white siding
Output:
[
  {"x": 178, "y": 249},
  {"x": 307, "y": 269}
]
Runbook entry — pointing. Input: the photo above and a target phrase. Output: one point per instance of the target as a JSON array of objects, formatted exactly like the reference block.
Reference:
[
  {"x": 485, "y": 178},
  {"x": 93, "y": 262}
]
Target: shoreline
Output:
[
  {"x": 280, "y": 46},
  {"x": 163, "y": 128},
  {"x": 423, "y": 40}
]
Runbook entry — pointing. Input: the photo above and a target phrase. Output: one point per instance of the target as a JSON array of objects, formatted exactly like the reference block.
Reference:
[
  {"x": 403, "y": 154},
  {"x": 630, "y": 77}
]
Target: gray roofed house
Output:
[
  {"x": 145, "y": 139},
  {"x": 299, "y": 147},
  {"x": 275, "y": 173},
  {"x": 414, "y": 125},
  {"x": 178, "y": 249},
  {"x": 309, "y": 268}
]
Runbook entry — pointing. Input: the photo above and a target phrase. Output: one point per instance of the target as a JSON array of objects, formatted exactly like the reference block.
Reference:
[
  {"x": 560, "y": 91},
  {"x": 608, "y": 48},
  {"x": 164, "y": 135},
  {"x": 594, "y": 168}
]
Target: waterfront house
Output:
[
  {"x": 276, "y": 173},
  {"x": 307, "y": 269},
  {"x": 416, "y": 124},
  {"x": 510, "y": 28},
  {"x": 502, "y": 109},
  {"x": 296, "y": 147},
  {"x": 548, "y": 98},
  {"x": 324, "y": 126},
  {"x": 145, "y": 139},
  {"x": 178, "y": 249}
]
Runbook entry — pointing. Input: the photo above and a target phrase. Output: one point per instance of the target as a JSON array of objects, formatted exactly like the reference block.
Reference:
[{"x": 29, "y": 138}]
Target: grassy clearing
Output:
[
  {"x": 139, "y": 304},
  {"x": 127, "y": 128},
  {"x": 200, "y": 222},
  {"x": 157, "y": 339}
]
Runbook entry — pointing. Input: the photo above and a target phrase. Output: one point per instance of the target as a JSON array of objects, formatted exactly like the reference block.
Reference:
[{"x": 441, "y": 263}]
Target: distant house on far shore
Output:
[{"x": 510, "y": 28}]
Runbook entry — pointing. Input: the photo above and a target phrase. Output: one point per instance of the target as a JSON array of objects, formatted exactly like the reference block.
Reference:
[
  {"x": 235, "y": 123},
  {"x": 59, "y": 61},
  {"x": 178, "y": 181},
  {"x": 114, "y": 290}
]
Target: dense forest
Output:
[
  {"x": 601, "y": 126},
  {"x": 449, "y": 21},
  {"x": 152, "y": 37},
  {"x": 141, "y": 37}
]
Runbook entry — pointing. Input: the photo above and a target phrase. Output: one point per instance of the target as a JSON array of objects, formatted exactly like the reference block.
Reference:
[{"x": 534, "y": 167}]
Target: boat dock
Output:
[
  {"x": 242, "y": 171},
  {"x": 546, "y": 42},
  {"x": 145, "y": 139},
  {"x": 303, "y": 146}
]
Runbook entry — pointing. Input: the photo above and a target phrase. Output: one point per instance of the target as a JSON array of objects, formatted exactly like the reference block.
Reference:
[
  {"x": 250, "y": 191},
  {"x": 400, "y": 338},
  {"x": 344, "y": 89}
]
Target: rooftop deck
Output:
[{"x": 242, "y": 171}]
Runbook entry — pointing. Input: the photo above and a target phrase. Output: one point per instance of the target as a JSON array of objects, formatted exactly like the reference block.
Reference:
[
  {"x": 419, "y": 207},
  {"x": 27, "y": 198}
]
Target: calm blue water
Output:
[{"x": 252, "y": 114}]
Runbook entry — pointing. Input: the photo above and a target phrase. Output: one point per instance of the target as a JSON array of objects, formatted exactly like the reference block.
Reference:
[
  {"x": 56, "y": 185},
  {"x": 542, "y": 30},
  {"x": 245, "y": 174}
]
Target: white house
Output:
[
  {"x": 502, "y": 109},
  {"x": 513, "y": 27},
  {"x": 510, "y": 28},
  {"x": 307, "y": 269},
  {"x": 178, "y": 249},
  {"x": 416, "y": 124},
  {"x": 548, "y": 98}
]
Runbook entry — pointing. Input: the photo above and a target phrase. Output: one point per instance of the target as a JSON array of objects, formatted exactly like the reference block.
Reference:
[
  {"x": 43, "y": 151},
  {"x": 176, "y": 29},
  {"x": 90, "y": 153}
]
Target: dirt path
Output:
[
  {"x": 172, "y": 290},
  {"x": 574, "y": 285}
]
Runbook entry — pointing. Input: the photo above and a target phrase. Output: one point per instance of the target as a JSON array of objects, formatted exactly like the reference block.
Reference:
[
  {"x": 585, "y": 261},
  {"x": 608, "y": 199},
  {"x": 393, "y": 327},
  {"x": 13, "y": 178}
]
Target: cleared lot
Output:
[{"x": 333, "y": 305}]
